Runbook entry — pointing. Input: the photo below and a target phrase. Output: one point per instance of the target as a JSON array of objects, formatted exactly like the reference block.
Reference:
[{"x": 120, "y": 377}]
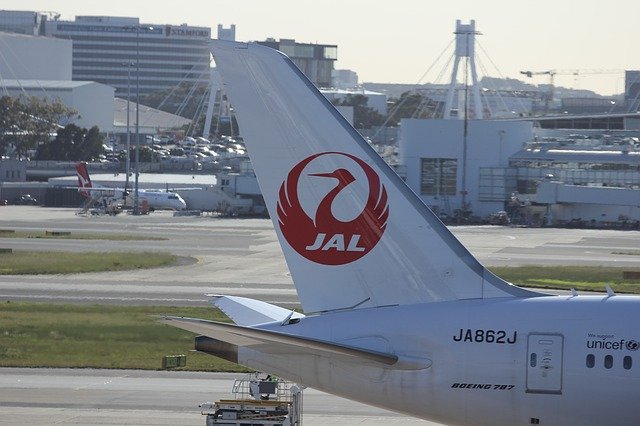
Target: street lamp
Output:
[
  {"x": 136, "y": 208},
  {"x": 128, "y": 162}
]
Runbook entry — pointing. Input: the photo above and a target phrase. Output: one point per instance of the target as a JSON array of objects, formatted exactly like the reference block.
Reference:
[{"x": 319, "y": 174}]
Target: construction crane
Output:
[
  {"x": 552, "y": 73},
  {"x": 549, "y": 96}
]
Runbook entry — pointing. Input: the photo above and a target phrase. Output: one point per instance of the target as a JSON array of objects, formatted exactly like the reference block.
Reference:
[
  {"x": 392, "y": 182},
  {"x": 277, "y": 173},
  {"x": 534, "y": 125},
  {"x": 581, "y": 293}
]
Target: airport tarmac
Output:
[
  {"x": 232, "y": 256},
  {"x": 242, "y": 256},
  {"x": 132, "y": 397}
]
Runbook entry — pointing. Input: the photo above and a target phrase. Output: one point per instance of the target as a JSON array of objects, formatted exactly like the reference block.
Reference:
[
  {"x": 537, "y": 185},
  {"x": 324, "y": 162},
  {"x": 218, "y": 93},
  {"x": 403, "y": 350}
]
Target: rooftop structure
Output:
[
  {"x": 314, "y": 60},
  {"x": 227, "y": 33},
  {"x": 151, "y": 120},
  {"x": 24, "y": 22}
]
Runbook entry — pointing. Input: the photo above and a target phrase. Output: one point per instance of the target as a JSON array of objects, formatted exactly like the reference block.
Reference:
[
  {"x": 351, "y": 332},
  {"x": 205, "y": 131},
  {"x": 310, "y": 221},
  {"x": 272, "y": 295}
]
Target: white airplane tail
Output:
[{"x": 353, "y": 234}]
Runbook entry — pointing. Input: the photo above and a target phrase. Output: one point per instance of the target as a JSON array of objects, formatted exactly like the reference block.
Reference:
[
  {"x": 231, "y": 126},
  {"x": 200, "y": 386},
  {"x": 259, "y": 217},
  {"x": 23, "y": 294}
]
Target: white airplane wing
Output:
[
  {"x": 353, "y": 234},
  {"x": 276, "y": 342}
]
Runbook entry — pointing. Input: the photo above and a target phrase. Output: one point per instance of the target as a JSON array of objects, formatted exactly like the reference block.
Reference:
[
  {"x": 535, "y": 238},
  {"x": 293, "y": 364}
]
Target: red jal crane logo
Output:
[{"x": 326, "y": 239}]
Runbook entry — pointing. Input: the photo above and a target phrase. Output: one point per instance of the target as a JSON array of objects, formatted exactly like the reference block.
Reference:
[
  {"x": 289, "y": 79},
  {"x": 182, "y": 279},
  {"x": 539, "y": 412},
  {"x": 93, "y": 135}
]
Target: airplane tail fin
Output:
[
  {"x": 353, "y": 234},
  {"x": 84, "y": 181}
]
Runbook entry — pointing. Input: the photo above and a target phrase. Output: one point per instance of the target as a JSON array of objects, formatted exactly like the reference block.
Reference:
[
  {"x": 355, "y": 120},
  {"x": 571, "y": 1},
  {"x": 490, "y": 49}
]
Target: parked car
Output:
[
  {"x": 499, "y": 218},
  {"x": 26, "y": 200}
]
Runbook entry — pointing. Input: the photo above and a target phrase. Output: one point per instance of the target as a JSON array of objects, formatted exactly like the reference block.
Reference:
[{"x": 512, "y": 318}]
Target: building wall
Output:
[
  {"x": 592, "y": 213},
  {"x": 13, "y": 170},
  {"x": 93, "y": 101},
  {"x": 589, "y": 203},
  {"x": 631, "y": 123},
  {"x": 344, "y": 79},
  {"x": 34, "y": 58},
  {"x": 632, "y": 87},
  {"x": 489, "y": 144}
]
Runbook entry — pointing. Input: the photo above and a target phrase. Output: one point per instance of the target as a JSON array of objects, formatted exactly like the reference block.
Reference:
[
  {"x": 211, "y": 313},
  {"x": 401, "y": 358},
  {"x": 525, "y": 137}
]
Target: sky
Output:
[{"x": 398, "y": 41}]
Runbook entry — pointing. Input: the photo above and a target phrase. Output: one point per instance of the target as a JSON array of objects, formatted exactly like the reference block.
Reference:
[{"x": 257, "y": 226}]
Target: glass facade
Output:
[
  {"x": 438, "y": 176},
  {"x": 604, "y": 174},
  {"x": 168, "y": 55},
  {"x": 331, "y": 52},
  {"x": 496, "y": 183}
]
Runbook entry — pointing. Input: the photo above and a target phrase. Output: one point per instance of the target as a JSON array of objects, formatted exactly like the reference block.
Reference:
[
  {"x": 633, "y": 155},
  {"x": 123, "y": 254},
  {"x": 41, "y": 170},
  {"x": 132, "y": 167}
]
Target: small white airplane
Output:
[
  {"x": 398, "y": 313},
  {"x": 156, "y": 200}
]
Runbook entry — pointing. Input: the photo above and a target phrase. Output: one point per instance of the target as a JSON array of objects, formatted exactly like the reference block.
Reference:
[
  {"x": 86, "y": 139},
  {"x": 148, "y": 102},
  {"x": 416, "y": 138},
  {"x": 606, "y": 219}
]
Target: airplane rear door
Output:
[{"x": 544, "y": 363}]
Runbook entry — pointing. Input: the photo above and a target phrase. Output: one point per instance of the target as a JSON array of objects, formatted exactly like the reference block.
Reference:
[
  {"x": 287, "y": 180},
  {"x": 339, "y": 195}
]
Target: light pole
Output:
[
  {"x": 128, "y": 160},
  {"x": 136, "y": 208}
]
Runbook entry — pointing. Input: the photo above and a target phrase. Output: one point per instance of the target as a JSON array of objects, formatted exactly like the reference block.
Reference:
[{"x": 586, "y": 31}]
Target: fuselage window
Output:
[
  {"x": 591, "y": 360},
  {"x": 608, "y": 361},
  {"x": 627, "y": 362}
]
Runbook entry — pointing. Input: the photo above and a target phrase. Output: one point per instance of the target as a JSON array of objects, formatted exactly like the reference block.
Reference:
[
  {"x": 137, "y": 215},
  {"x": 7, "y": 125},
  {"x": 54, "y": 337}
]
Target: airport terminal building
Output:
[{"x": 584, "y": 178}]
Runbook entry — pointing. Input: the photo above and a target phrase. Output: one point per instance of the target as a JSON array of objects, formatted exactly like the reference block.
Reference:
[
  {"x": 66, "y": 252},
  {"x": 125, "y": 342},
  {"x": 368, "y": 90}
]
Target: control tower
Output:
[{"x": 465, "y": 48}]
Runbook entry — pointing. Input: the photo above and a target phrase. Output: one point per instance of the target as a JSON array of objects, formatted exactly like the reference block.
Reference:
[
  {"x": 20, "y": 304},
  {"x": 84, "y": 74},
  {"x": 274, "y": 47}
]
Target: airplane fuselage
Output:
[
  {"x": 542, "y": 360},
  {"x": 162, "y": 200}
]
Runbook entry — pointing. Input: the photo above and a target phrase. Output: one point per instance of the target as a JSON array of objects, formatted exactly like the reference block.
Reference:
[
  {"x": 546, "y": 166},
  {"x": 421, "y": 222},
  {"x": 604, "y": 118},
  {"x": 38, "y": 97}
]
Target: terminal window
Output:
[{"x": 438, "y": 176}]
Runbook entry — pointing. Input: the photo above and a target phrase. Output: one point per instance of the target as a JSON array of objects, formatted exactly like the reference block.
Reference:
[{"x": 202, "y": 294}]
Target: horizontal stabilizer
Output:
[
  {"x": 244, "y": 311},
  {"x": 276, "y": 342}
]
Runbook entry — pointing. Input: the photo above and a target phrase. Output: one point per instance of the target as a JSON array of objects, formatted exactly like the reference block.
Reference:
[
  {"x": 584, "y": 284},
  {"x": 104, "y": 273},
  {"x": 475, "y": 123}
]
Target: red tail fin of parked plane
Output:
[{"x": 84, "y": 181}]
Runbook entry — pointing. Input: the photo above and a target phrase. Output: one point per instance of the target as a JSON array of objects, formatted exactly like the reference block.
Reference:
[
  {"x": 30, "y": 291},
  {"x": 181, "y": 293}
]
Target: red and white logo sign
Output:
[{"x": 326, "y": 239}]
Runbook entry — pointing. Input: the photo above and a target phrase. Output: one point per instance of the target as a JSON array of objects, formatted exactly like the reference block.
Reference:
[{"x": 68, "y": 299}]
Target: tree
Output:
[
  {"x": 9, "y": 123},
  {"x": 73, "y": 144},
  {"x": 413, "y": 105},
  {"x": 25, "y": 122},
  {"x": 363, "y": 116},
  {"x": 184, "y": 100}
]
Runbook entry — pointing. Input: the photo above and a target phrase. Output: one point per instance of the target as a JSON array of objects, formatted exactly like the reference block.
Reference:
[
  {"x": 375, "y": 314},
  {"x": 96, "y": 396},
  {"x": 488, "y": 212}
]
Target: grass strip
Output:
[
  {"x": 36, "y": 262},
  {"x": 586, "y": 278},
  {"x": 97, "y": 336},
  {"x": 70, "y": 235}
]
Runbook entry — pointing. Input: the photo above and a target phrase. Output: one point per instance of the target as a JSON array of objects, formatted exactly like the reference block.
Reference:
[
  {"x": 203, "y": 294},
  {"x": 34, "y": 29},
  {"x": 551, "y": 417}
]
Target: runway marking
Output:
[{"x": 147, "y": 299}]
